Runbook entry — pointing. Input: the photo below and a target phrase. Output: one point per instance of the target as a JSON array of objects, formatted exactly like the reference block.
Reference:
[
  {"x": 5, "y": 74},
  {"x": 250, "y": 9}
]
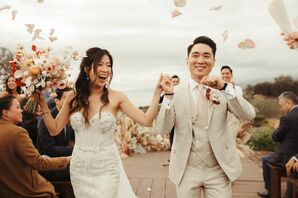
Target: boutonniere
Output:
[{"x": 212, "y": 96}]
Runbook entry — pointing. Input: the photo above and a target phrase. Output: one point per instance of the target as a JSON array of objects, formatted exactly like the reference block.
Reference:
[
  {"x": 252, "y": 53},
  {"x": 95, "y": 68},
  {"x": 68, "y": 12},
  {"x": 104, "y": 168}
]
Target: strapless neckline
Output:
[{"x": 96, "y": 114}]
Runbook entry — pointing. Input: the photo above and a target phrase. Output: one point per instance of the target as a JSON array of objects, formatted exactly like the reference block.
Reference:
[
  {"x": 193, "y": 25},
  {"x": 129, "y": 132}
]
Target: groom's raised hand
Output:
[
  {"x": 213, "y": 81},
  {"x": 167, "y": 84}
]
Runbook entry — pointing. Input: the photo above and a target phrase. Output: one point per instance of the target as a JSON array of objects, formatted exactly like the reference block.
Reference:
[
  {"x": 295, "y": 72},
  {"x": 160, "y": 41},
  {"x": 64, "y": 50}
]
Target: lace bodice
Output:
[
  {"x": 99, "y": 133},
  {"x": 95, "y": 168}
]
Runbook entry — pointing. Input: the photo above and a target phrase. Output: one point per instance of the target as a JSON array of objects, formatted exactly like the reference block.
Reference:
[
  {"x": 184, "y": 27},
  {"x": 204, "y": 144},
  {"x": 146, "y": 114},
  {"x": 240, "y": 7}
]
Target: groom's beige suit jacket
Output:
[{"x": 182, "y": 112}]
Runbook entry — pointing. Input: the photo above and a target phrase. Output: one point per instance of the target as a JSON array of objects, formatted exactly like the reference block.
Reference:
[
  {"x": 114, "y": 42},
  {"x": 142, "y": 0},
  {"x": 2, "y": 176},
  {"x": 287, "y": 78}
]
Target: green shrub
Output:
[
  {"x": 259, "y": 120},
  {"x": 266, "y": 106},
  {"x": 261, "y": 138}
]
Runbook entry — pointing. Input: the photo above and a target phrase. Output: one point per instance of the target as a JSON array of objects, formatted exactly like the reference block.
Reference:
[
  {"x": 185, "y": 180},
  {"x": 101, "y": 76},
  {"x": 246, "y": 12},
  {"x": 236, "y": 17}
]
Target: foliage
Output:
[
  {"x": 261, "y": 138},
  {"x": 266, "y": 108},
  {"x": 259, "y": 120},
  {"x": 5, "y": 56},
  {"x": 274, "y": 89}
]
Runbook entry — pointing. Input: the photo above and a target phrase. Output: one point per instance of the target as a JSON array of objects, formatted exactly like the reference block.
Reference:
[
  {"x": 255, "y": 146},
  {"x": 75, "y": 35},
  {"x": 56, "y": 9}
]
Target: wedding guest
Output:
[
  {"x": 96, "y": 168},
  {"x": 176, "y": 81},
  {"x": 227, "y": 76},
  {"x": 19, "y": 160},
  {"x": 11, "y": 88},
  {"x": 59, "y": 145},
  {"x": 203, "y": 156},
  {"x": 292, "y": 172},
  {"x": 285, "y": 134},
  {"x": 234, "y": 123},
  {"x": 30, "y": 121}
]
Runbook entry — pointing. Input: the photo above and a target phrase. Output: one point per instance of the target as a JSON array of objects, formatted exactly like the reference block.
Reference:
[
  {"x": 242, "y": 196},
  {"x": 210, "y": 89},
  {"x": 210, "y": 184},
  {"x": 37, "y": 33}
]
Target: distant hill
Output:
[{"x": 274, "y": 88}]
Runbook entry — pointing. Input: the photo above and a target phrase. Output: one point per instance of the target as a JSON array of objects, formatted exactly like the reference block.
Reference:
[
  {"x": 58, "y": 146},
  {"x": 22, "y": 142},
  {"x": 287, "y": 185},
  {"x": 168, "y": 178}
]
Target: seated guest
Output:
[
  {"x": 59, "y": 145},
  {"x": 287, "y": 136},
  {"x": 19, "y": 160},
  {"x": 30, "y": 121},
  {"x": 292, "y": 172}
]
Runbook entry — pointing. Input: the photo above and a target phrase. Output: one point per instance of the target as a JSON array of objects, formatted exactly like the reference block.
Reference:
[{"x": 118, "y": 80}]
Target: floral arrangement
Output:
[
  {"x": 134, "y": 138},
  {"x": 38, "y": 69}
]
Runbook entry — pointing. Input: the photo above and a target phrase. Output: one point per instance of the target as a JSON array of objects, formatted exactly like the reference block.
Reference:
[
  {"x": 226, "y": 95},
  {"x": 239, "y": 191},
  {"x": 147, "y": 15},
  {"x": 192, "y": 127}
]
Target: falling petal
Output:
[
  {"x": 52, "y": 31},
  {"x": 250, "y": 43},
  {"x": 241, "y": 45},
  {"x": 30, "y": 27},
  {"x": 247, "y": 44},
  {"x": 13, "y": 14},
  {"x": 225, "y": 35},
  {"x": 175, "y": 13},
  {"x": 53, "y": 38},
  {"x": 180, "y": 3},
  {"x": 295, "y": 21},
  {"x": 36, "y": 34},
  {"x": 215, "y": 8},
  {"x": 6, "y": 7}
]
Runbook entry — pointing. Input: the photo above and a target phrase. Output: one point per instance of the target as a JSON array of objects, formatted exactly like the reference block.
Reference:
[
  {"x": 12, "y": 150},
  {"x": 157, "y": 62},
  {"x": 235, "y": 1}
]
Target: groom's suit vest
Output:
[{"x": 201, "y": 150}]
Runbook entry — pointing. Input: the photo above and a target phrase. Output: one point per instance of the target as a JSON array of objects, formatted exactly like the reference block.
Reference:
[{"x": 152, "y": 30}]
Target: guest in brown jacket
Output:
[{"x": 19, "y": 160}]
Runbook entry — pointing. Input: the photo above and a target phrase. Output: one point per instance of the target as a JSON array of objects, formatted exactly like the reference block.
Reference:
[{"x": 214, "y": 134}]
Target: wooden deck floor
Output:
[{"x": 149, "y": 178}]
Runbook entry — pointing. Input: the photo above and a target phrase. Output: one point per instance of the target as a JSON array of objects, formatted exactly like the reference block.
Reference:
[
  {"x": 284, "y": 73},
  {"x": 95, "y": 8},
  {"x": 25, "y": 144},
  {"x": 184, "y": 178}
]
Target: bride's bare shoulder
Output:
[{"x": 116, "y": 93}]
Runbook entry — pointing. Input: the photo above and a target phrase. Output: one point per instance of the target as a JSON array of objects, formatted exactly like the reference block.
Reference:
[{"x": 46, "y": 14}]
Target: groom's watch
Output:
[
  {"x": 224, "y": 87},
  {"x": 169, "y": 94}
]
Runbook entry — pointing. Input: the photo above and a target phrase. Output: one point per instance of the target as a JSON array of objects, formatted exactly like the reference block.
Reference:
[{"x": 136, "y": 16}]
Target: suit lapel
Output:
[
  {"x": 188, "y": 105},
  {"x": 210, "y": 112}
]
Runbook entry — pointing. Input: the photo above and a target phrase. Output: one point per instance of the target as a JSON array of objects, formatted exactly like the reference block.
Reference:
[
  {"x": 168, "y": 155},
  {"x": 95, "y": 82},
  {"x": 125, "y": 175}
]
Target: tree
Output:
[{"x": 5, "y": 56}]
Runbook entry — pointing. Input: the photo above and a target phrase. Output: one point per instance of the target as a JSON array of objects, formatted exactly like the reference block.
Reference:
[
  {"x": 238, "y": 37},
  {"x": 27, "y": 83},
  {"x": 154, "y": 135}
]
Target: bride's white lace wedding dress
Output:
[{"x": 96, "y": 168}]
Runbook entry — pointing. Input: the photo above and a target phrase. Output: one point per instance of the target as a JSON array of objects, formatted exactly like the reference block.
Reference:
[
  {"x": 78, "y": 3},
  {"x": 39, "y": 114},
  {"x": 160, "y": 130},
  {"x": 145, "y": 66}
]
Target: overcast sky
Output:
[{"x": 145, "y": 41}]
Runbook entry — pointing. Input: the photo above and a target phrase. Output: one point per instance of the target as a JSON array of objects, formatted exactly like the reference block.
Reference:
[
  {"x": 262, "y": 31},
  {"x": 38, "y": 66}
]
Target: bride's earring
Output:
[{"x": 107, "y": 85}]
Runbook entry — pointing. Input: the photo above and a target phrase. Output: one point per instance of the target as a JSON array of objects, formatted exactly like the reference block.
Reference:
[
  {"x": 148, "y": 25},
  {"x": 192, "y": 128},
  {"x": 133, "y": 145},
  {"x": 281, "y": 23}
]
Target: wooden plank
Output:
[
  {"x": 134, "y": 182},
  {"x": 149, "y": 179},
  {"x": 145, "y": 187},
  {"x": 158, "y": 188},
  {"x": 170, "y": 189}
]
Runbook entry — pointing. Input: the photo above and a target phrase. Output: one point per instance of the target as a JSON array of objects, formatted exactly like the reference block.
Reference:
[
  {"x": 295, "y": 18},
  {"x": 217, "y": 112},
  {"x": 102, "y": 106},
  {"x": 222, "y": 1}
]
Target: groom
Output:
[{"x": 203, "y": 155}]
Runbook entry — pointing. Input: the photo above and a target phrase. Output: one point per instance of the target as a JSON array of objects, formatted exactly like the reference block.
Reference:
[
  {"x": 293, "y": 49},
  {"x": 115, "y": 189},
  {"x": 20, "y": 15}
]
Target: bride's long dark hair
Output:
[{"x": 83, "y": 84}]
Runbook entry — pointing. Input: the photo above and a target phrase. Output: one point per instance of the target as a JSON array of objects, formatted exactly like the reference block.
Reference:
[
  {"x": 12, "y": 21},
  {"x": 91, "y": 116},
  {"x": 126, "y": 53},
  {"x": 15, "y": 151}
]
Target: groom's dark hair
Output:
[{"x": 204, "y": 40}]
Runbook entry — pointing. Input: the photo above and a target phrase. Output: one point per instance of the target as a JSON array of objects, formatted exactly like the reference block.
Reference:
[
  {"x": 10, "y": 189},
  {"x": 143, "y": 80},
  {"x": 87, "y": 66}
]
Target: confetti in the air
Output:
[
  {"x": 6, "y": 7},
  {"x": 52, "y": 31},
  {"x": 215, "y": 8},
  {"x": 30, "y": 27},
  {"x": 180, "y": 3},
  {"x": 247, "y": 44},
  {"x": 53, "y": 38},
  {"x": 225, "y": 35},
  {"x": 175, "y": 13},
  {"x": 36, "y": 34},
  {"x": 13, "y": 14}
]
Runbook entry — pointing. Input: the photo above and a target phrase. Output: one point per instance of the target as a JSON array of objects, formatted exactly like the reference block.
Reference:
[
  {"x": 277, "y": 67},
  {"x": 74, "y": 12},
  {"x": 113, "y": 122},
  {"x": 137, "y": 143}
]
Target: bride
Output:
[{"x": 96, "y": 169}]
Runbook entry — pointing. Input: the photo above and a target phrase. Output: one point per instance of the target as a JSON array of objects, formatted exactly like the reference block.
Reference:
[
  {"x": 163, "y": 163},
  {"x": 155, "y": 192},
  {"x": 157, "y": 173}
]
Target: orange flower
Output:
[{"x": 34, "y": 70}]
